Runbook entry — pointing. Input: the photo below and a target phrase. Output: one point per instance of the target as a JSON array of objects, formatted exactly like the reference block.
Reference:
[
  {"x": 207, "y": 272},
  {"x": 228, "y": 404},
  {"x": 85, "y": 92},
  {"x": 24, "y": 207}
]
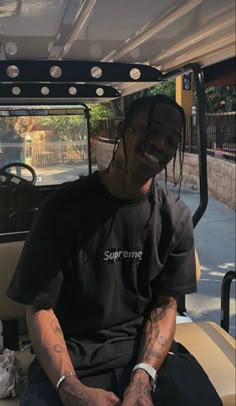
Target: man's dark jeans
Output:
[{"x": 181, "y": 382}]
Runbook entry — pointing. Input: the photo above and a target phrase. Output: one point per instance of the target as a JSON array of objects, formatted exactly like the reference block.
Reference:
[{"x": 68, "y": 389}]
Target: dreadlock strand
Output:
[
  {"x": 174, "y": 163},
  {"x": 151, "y": 196},
  {"x": 166, "y": 179},
  {"x": 126, "y": 156}
]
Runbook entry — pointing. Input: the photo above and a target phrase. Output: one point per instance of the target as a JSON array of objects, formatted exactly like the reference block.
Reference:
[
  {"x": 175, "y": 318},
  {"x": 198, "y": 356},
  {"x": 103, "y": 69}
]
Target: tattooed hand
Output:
[
  {"x": 74, "y": 393},
  {"x": 138, "y": 393}
]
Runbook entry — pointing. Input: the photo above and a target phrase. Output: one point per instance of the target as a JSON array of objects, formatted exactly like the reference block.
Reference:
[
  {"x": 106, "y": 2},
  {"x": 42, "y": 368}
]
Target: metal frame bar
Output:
[
  {"x": 87, "y": 116},
  {"x": 202, "y": 141},
  {"x": 225, "y": 296},
  {"x": 56, "y": 90}
]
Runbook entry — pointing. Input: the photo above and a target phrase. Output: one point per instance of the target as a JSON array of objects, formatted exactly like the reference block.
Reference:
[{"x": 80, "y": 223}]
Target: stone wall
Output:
[
  {"x": 221, "y": 173},
  {"x": 222, "y": 180}
]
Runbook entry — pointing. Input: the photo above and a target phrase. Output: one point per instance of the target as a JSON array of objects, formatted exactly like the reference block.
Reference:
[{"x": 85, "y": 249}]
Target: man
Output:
[
  {"x": 12, "y": 152},
  {"x": 101, "y": 272}
]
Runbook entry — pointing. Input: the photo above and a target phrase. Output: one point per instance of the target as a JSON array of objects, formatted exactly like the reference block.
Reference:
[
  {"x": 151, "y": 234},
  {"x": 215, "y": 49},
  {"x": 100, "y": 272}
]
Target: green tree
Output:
[
  {"x": 166, "y": 87},
  {"x": 121, "y": 105},
  {"x": 74, "y": 127},
  {"x": 99, "y": 111},
  {"x": 220, "y": 98},
  {"x": 65, "y": 128}
]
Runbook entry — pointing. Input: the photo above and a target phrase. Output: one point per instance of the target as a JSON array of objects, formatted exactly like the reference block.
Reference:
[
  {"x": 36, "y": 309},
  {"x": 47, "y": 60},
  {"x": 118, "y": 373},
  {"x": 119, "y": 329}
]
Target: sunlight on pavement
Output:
[
  {"x": 227, "y": 265},
  {"x": 204, "y": 268}
]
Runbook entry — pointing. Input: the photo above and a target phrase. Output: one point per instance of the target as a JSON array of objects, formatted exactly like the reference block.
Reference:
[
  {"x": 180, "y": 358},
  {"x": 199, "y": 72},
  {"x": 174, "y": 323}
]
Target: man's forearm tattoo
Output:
[
  {"x": 55, "y": 327},
  {"x": 138, "y": 388},
  {"x": 58, "y": 348},
  {"x": 149, "y": 353},
  {"x": 160, "y": 312},
  {"x": 151, "y": 334},
  {"x": 82, "y": 398}
]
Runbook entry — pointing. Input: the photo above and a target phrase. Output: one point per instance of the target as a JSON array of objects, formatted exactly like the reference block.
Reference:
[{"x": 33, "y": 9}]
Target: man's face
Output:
[{"x": 150, "y": 148}]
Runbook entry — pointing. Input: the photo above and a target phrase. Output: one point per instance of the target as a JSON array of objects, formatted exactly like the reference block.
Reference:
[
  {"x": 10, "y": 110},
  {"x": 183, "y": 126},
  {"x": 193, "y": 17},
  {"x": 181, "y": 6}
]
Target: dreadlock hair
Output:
[{"x": 149, "y": 103}]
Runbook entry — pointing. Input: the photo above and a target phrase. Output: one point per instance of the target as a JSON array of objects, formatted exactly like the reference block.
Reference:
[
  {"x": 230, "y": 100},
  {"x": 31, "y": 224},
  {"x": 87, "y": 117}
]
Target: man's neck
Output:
[{"x": 119, "y": 184}]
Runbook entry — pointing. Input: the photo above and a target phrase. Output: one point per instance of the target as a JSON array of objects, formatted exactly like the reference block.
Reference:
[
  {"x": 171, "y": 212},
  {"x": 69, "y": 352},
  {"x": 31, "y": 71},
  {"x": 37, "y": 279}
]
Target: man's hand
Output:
[
  {"x": 74, "y": 393},
  {"x": 138, "y": 393}
]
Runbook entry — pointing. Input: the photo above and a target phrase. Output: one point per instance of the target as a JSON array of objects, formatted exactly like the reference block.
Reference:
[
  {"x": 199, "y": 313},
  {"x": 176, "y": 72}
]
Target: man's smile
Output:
[{"x": 152, "y": 153}]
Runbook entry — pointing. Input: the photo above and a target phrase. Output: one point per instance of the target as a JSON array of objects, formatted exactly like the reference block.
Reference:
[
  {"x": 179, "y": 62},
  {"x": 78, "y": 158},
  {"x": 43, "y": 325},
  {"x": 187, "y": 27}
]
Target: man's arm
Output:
[
  {"x": 50, "y": 348},
  {"x": 158, "y": 334},
  {"x": 48, "y": 343}
]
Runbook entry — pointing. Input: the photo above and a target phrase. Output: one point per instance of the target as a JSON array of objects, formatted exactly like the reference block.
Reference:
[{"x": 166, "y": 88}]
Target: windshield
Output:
[{"x": 53, "y": 141}]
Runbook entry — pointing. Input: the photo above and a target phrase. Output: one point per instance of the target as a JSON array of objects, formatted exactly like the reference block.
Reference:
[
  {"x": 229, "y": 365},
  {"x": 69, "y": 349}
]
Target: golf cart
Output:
[{"x": 58, "y": 57}]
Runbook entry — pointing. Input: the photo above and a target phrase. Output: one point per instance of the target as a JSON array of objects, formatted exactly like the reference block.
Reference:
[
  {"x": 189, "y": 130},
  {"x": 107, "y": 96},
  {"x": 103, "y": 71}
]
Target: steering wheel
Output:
[{"x": 12, "y": 180}]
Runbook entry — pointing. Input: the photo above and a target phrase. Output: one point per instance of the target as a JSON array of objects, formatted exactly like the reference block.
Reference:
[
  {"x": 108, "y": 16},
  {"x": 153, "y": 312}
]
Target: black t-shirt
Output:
[{"x": 100, "y": 262}]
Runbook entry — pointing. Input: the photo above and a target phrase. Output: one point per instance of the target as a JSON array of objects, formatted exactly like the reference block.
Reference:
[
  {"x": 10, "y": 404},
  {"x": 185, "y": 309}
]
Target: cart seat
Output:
[{"x": 215, "y": 351}]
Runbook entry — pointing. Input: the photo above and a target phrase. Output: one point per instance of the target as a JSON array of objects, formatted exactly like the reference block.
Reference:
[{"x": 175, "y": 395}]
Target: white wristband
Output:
[
  {"x": 62, "y": 378},
  {"x": 151, "y": 372}
]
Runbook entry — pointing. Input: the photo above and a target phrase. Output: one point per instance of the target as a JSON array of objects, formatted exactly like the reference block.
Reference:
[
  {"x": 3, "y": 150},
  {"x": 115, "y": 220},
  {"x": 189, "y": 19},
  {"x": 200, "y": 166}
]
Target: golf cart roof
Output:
[{"x": 165, "y": 35}]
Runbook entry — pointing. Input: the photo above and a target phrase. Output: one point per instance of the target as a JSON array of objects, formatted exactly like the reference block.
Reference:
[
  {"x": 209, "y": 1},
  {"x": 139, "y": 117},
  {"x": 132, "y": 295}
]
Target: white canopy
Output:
[{"x": 164, "y": 34}]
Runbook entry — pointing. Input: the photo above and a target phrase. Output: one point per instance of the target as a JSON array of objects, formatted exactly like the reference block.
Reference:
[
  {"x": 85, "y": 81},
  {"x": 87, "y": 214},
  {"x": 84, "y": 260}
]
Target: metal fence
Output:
[
  {"x": 45, "y": 153},
  {"x": 221, "y": 134},
  {"x": 58, "y": 153},
  {"x": 220, "y": 130}
]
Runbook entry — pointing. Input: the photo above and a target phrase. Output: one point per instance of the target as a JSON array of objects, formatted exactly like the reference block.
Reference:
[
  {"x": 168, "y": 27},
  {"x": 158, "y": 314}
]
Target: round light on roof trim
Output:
[
  {"x": 16, "y": 91},
  {"x": 135, "y": 74},
  {"x": 96, "y": 72},
  {"x": 72, "y": 91},
  {"x": 13, "y": 71},
  {"x": 11, "y": 48},
  {"x": 99, "y": 91},
  {"x": 55, "y": 72},
  {"x": 45, "y": 90}
]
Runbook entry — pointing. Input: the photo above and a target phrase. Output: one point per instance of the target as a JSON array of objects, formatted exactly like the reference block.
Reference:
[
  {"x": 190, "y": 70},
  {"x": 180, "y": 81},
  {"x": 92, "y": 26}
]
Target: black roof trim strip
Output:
[
  {"x": 76, "y": 71},
  {"x": 58, "y": 90}
]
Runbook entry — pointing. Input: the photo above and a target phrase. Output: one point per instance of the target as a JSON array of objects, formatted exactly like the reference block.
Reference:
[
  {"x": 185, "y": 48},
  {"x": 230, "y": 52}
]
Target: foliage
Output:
[
  {"x": 65, "y": 128},
  {"x": 220, "y": 98},
  {"x": 97, "y": 112},
  {"x": 74, "y": 127},
  {"x": 167, "y": 88}
]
